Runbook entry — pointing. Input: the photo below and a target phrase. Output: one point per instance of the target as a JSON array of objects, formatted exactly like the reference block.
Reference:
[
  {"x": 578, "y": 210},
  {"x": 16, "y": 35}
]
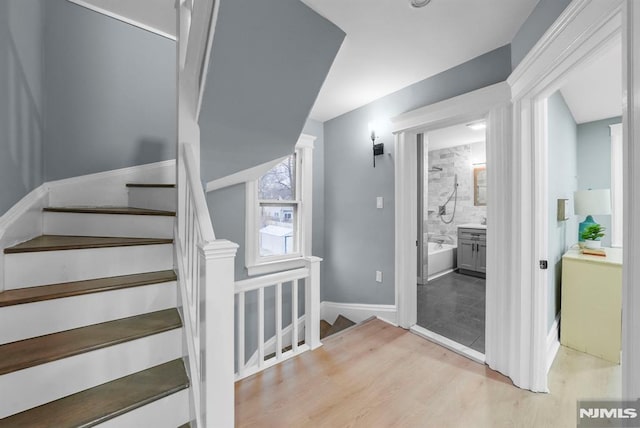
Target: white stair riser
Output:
[
  {"x": 41, "y": 384},
  {"x": 153, "y": 198},
  {"x": 168, "y": 412},
  {"x": 132, "y": 226},
  {"x": 51, "y": 316},
  {"x": 51, "y": 267}
]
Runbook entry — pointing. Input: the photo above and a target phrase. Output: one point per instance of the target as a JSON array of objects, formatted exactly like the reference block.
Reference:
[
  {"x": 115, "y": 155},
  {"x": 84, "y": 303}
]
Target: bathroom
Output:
[{"x": 452, "y": 228}]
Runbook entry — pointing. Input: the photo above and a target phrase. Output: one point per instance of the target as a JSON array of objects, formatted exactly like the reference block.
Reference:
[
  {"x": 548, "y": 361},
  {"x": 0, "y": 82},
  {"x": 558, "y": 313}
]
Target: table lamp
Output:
[{"x": 591, "y": 202}]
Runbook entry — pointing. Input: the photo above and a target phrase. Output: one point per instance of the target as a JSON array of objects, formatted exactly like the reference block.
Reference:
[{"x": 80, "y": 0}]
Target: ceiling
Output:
[
  {"x": 594, "y": 91},
  {"x": 452, "y": 136},
  {"x": 390, "y": 45}
]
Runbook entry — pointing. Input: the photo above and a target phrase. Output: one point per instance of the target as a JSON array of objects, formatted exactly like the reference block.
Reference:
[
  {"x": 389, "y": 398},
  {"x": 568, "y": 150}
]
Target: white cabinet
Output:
[
  {"x": 472, "y": 251},
  {"x": 592, "y": 303}
]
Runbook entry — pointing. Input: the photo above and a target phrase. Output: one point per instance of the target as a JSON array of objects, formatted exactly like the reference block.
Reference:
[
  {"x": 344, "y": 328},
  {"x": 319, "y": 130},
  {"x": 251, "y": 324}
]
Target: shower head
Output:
[{"x": 435, "y": 169}]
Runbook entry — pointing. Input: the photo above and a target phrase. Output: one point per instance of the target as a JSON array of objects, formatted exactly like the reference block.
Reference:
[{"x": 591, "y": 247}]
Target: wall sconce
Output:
[{"x": 378, "y": 149}]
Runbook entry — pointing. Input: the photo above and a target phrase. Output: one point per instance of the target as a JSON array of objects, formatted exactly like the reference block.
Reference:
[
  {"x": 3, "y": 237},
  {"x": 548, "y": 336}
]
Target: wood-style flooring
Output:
[{"x": 377, "y": 375}]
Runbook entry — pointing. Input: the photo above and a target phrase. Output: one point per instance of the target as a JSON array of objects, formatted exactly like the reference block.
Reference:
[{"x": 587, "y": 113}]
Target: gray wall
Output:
[
  {"x": 594, "y": 163},
  {"x": 268, "y": 62},
  {"x": 21, "y": 99},
  {"x": 228, "y": 214},
  {"x": 228, "y": 208},
  {"x": 110, "y": 93},
  {"x": 563, "y": 171},
  {"x": 543, "y": 15},
  {"x": 359, "y": 239}
]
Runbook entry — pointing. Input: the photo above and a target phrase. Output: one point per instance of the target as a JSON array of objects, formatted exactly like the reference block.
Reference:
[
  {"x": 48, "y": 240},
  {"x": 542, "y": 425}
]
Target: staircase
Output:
[
  {"x": 341, "y": 323},
  {"x": 90, "y": 329}
]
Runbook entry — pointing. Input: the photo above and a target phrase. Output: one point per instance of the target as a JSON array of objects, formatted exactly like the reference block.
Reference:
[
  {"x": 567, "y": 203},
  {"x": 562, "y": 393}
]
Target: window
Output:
[
  {"x": 616, "y": 185},
  {"x": 279, "y": 202},
  {"x": 278, "y": 232}
]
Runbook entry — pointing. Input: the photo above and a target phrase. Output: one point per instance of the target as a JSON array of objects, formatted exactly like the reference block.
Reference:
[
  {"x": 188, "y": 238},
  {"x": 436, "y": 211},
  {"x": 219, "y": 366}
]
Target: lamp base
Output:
[{"x": 586, "y": 223}]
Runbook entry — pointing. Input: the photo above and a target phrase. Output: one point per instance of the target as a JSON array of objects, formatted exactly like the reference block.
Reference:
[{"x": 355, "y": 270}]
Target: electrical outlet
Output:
[
  {"x": 379, "y": 202},
  {"x": 378, "y": 276}
]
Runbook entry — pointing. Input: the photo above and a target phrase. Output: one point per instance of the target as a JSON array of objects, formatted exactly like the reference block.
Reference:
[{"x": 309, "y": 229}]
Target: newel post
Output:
[
  {"x": 217, "y": 291},
  {"x": 312, "y": 302}
]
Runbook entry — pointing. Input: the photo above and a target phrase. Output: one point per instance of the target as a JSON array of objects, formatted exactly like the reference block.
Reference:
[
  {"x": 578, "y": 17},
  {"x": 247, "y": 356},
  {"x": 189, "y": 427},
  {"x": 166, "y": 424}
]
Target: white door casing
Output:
[
  {"x": 584, "y": 30},
  {"x": 493, "y": 104}
]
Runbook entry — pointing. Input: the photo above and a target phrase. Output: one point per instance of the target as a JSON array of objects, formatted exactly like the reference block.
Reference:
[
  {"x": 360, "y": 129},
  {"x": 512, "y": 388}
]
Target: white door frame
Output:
[
  {"x": 584, "y": 30},
  {"x": 493, "y": 103}
]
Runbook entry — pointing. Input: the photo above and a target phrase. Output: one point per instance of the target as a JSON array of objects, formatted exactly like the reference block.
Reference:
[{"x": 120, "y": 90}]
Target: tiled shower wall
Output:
[{"x": 453, "y": 160}]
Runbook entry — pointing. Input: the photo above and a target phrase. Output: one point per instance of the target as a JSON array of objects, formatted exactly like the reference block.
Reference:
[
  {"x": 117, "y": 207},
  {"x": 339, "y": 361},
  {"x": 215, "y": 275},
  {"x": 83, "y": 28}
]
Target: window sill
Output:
[{"x": 276, "y": 266}]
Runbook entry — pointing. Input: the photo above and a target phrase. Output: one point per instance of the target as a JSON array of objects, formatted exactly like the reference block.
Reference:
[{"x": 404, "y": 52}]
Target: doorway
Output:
[
  {"x": 584, "y": 199},
  {"x": 452, "y": 219}
]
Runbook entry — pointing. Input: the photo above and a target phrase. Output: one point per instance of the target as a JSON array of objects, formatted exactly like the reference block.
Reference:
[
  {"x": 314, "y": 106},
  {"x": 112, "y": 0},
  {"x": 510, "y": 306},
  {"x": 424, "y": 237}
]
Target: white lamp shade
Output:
[{"x": 592, "y": 202}]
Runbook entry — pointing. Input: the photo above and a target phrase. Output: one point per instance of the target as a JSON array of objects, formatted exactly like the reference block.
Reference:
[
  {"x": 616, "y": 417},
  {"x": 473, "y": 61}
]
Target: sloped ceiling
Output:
[
  {"x": 158, "y": 16},
  {"x": 390, "y": 45},
  {"x": 594, "y": 91},
  {"x": 268, "y": 62}
]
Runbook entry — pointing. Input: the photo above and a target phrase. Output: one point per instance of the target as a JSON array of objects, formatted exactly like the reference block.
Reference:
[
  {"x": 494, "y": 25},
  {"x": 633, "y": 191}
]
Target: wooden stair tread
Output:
[
  {"x": 43, "y": 349},
  {"x": 103, "y": 402},
  {"x": 341, "y": 323},
  {"x": 77, "y": 288},
  {"x": 324, "y": 328},
  {"x": 110, "y": 210},
  {"x": 158, "y": 185},
  {"x": 61, "y": 242}
]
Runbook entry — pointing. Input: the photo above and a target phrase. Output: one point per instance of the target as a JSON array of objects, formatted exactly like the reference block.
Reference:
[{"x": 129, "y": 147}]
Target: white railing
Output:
[
  {"x": 206, "y": 278},
  {"x": 307, "y": 326}
]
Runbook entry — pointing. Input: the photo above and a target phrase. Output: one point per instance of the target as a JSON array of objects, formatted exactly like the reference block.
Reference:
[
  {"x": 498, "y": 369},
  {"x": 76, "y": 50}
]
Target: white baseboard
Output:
[
  {"x": 108, "y": 188},
  {"x": 22, "y": 222},
  {"x": 553, "y": 342},
  {"x": 358, "y": 312}
]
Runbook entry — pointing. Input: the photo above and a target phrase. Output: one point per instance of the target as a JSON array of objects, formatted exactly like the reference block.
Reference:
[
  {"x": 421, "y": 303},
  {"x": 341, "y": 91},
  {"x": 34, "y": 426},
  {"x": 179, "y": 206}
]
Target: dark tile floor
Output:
[{"x": 454, "y": 307}]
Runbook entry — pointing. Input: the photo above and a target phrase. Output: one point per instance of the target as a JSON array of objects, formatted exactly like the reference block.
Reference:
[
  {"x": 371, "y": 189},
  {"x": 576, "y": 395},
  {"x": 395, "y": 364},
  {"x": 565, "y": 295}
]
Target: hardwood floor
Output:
[{"x": 377, "y": 375}]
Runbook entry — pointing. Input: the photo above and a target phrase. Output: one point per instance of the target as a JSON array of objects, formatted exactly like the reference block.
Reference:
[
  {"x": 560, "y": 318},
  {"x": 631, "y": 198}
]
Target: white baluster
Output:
[
  {"x": 241, "y": 362},
  {"x": 279, "y": 321},
  {"x": 294, "y": 315},
  {"x": 261, "y": 328}
]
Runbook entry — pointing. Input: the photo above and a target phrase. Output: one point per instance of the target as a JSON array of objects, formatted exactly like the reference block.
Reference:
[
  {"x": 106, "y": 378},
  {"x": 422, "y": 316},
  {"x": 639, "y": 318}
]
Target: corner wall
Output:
[
  {"x": 359, "y": 239},
  {"x": 21, "y": 98},
  {"x": 563, "y": 181},
  {"x": 594, "y": 162},
  {"x": 541, "y": 18},
  {"x": 110, "y": 93}
]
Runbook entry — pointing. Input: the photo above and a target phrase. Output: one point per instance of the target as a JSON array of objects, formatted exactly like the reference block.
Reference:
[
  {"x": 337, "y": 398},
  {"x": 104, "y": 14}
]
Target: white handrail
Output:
[
  {"x": 200, "y": 204},
  {"x": 266, "y": 280},
  {"x": 206, "y": 278}
]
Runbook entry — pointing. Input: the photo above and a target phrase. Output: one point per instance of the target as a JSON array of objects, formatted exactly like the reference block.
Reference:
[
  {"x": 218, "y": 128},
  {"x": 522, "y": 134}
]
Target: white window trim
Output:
[
  {"x": 257, "y": 265},
  {"x": 616, "y": 185}
]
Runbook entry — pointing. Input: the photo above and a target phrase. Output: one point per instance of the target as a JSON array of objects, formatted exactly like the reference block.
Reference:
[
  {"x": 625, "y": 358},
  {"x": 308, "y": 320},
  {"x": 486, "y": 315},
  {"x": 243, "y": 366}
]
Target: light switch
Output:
[
  {"x": 379, "y": 202},
  {"x": 378, "y": 276}
]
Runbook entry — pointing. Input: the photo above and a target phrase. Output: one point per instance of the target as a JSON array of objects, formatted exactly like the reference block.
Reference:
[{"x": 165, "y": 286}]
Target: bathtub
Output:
[{"x": 441, "y": 259}]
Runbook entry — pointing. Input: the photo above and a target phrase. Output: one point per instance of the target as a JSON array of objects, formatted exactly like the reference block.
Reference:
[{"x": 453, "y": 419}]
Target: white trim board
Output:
[
  {"x": 357, "y": 312},
  {"x": 451, "y": 345},
  {"x": 553, "y": 342},
  {"x": 123, "y": 18},
  {"x": 584, "y": 30},
  {"x": 108, "y": 187},
  {"x": 503, "y": 352},
  {"x": 305, "y": 141}
]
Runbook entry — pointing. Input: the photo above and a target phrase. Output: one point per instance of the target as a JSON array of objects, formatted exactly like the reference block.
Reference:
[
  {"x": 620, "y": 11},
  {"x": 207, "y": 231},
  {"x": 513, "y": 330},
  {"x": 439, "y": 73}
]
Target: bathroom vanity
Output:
[{"x": 472, "y": 249}]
